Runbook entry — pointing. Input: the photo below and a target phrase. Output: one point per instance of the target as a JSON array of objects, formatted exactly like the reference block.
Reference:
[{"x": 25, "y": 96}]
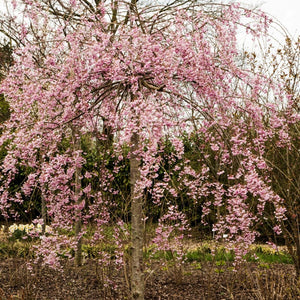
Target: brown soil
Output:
[{"x": 205, "y": 281}]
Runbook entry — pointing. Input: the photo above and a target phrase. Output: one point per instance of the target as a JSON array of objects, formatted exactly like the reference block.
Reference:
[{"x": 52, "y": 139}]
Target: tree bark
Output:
[
  {"x": 78, "y": 225},
  {"x": 78, "y": 251},
  {"x": 44, "y": 214},
  {"x": 137, "y": 278}
]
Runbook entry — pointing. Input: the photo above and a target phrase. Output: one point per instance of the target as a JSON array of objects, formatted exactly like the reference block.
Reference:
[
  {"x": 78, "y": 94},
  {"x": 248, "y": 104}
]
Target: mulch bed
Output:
[{"x": 197, "y": 281}]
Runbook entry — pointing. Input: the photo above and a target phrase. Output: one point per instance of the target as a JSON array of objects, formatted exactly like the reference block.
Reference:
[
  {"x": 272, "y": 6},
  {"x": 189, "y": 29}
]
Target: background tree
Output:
[{"x": 282, "y": 151}]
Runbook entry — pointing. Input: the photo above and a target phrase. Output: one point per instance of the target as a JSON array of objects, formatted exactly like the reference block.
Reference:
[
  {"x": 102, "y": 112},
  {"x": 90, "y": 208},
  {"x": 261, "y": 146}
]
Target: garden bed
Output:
[{"x": 206, "y": 280}]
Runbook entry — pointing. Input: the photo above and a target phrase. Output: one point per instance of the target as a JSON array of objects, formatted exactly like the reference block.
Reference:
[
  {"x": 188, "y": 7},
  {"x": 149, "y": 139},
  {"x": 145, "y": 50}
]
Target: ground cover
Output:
[
  {"x": 207, "y": 273},
  {"x": 207, "y": 280}
]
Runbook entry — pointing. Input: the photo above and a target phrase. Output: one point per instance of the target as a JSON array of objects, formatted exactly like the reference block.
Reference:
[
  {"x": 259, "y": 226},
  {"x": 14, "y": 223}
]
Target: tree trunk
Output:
[
  {"x": 43, "y": 201},
  {"x": 78, "y": 250},
  {"x": 44, "y": 214},
  {"x": 137, "y": 278}
]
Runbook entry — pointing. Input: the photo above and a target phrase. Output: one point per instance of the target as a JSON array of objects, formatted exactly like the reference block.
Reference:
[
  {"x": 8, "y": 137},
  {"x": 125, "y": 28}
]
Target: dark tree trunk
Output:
[
  {"x": 44, "y": 214},
  {"x": 78, "y": 250},
  {"x": 137, "y": 278}
]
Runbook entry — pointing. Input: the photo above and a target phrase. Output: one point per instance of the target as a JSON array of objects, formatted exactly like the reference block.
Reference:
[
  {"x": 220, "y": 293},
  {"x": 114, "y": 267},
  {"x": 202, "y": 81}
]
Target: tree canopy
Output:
[{"x": 136, "y": 75}]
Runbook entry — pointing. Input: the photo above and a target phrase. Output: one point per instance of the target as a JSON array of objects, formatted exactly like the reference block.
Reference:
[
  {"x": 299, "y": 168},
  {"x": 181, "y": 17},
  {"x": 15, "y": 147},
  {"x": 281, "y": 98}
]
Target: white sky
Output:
[{"x": 287, "y": 12}]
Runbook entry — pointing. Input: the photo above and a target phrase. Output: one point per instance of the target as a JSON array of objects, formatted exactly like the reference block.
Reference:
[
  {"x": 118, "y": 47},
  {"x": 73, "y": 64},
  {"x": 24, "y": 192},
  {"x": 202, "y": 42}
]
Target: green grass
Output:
[
  {"x": 259, "y": 254},
  {"x": 16, "y": 249},
  {"x": 204, "y": 254},
  {"x": 271, "y": 258}
]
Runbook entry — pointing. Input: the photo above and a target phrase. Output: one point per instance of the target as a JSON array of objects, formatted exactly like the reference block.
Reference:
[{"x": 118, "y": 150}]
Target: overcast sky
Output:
[{"x": 286, "y": 11}]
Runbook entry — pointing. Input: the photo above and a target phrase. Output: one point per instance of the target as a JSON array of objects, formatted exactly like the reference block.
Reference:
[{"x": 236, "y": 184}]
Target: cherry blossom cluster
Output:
[{"x": 159, "y": 82}]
